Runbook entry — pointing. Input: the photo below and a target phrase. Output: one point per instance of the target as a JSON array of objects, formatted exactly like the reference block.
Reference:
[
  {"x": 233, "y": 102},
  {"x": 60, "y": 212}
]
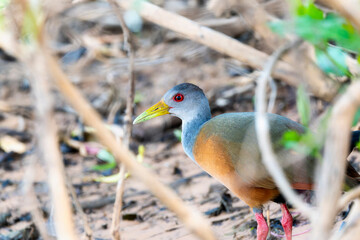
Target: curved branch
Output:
[
  {"x": 348, "y": 197},
  {"x": 263, "y": 136},
  {"x": 332, "y": 171}
]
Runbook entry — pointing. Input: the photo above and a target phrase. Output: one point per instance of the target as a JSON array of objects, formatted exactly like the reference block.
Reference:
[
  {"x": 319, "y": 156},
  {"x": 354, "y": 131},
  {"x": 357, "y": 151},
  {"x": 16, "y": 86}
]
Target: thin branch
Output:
[
  {"x": 225, "y": 44},
  {"x": 351, "y": 225},
  {"x": 128, "y": 117},
  {"x": 31, "y": 201},
  {"x": 191, "y": 217},
  {"x": 47, "y": 142},
  {"x": 116, "y": 216},
  {"x": 263, "y": 136},
  {"x": 273, "y": 95},
  {"x": 332, "y": 171},
  {"x": 87, "y": 229},
  {"x": 348, "y": 197}
]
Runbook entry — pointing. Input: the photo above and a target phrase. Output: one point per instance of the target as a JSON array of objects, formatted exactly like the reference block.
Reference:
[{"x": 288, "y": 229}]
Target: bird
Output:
[{"x": 226, "y": 147}]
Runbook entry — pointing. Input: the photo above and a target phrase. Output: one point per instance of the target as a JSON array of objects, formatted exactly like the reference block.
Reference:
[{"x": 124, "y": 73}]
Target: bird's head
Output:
[{"x": 184, "y": 100}]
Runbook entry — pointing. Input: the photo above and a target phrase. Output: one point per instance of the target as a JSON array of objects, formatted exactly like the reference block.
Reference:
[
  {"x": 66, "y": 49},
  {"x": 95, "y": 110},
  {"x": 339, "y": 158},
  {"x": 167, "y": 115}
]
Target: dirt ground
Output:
[{"x": 162, "y": 61}]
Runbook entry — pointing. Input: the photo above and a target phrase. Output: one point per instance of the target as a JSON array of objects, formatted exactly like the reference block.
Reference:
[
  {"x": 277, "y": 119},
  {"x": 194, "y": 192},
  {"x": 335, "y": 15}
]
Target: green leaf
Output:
[
  {"x": 109, "y": 179},
  {"x": 290, "y": 139},
  {"x": 29, "y": 27},
  {"x": 306, "y": 143},
  {"x": 3, "y": 5},
  {"x": 314, "y": 12},
  {"x": 358, "y": 145},
  {"x": 303, "y": 105},
  {"x": 138, "y": 97},
  {"x": 278, "y": 27},
  {"x": 177, "y": 133},
  {"x": 332, "y": 60},
  {"x": 141, "y": 153},
  {"x": 356, "y": 118},
  {"x": 104, "y": 167},
  {"x": 106, "y": 156},
  {"x": 291, "y": 136},
  {"x": 298, "y": 7},
  {"x": 311, "y": 24}
]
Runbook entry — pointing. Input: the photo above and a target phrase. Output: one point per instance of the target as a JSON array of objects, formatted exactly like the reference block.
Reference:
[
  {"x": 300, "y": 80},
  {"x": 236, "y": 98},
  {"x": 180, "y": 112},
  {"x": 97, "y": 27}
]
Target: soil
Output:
[{"x": 162, "y": 61}]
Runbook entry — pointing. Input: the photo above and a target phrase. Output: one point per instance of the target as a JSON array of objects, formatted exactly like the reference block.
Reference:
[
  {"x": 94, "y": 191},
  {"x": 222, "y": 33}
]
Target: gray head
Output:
[{"x": 186, "y": 101}]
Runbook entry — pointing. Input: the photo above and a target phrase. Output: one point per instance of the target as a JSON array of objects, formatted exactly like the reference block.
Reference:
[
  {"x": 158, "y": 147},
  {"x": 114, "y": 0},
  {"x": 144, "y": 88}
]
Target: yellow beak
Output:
[{"x": 159, "y": 109}]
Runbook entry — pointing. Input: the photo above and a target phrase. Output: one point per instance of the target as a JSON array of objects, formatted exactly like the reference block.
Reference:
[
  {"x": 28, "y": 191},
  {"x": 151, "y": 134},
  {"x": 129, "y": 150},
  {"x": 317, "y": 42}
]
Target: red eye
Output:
[{"x": 178, "y": 97}]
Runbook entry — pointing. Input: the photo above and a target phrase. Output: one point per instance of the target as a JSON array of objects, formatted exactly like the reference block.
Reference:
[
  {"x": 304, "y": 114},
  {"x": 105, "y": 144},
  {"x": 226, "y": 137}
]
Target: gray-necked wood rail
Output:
[{"x": 227, "y": 148}]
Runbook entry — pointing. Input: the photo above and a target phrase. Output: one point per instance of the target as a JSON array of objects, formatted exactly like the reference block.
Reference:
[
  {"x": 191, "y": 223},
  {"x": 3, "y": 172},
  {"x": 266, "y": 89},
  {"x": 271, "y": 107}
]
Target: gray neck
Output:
[{"x": 190, "y": 130}]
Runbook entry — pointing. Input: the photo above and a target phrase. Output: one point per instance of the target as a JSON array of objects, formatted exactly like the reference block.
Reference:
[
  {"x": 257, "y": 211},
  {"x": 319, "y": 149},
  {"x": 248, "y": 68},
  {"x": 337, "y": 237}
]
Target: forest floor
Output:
[{"x": 162, "y": 61}]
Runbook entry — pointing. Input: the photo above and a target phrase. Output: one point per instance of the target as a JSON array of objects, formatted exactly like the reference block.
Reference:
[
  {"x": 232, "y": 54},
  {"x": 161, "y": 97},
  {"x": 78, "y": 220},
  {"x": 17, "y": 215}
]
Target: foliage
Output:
[
  {"x": 116, "y": 177},
  {"x": 3, "y": 5},
  {"x": 138, "y": 98},
  {"x": 333, "y": 38},
  {"x": 30, "y": 27},
  {"x": 107, "y": 157},
  {"x": 303, "y": 105},
  {"x": 313, "y": 25},
  {"x": 356, "y": 118},
  {"x": 332, "y": 60},
  {"x": 177, "y": 133},
  {"x": 307, "y": 143}
]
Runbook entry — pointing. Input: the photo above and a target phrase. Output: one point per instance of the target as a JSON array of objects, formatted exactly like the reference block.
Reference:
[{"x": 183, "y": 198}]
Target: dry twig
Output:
[
  {"x": 79, "y": 209},
  {"x": 31, "y": 201},
  {"x": 333, "y": 167},
  {"x": 47, "y": 141},
  {"x": 263, "y": 136},
  {"x": 128, "y": 123}
]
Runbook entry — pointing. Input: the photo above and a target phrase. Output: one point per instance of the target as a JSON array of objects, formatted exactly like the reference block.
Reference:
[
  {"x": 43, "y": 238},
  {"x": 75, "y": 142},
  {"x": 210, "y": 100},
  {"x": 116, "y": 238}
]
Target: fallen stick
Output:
[
  {"x": 224, "y": 44},
  {"x": 79, "y": 209}
]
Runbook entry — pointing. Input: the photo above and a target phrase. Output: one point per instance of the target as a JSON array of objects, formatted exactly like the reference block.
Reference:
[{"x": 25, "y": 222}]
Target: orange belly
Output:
[{"x": 214, "y": 159}]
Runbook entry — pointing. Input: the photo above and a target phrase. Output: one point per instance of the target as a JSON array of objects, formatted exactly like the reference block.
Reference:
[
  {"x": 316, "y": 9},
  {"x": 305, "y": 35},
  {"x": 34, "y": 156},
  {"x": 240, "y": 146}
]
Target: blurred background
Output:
[{"x": 87, "y": 38}]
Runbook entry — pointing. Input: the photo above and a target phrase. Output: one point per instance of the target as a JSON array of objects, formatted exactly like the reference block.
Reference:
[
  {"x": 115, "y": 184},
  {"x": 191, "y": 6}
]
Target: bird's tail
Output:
[
  {"x": 352, "y": 178},
  {"x": 355, "y": 138}
]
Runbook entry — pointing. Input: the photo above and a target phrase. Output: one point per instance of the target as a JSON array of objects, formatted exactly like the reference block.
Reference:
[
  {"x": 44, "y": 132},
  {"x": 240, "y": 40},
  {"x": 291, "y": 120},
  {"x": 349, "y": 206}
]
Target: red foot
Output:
[
  {"x": 262, "y": 228},
  {"x": 286, "y": 221}
]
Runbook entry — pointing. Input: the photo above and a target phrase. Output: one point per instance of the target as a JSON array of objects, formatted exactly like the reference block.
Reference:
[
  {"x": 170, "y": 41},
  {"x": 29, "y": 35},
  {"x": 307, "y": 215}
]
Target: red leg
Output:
[
  {"x": 286, "y": 221},
  {"x": 262, "y": 228}
]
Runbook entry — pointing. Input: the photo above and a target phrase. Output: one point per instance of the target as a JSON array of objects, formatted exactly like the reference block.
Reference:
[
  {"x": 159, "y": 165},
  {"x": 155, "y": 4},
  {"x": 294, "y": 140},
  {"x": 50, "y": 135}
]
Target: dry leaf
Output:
[{"x": 11, "y": 144}]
